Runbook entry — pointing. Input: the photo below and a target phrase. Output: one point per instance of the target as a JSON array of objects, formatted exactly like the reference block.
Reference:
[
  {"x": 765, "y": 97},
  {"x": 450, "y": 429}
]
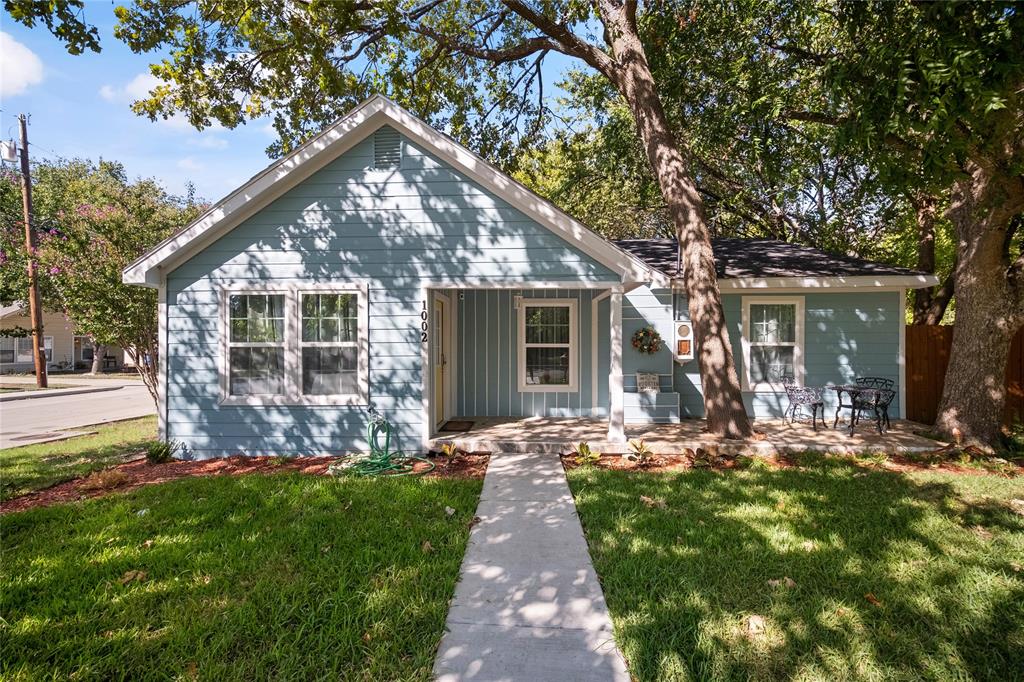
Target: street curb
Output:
[{"x": 32, "y": 395}]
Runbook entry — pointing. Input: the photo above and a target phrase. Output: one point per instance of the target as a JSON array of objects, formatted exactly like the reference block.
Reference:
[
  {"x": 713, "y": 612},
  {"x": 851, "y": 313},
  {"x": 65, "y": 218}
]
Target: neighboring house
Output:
[
  {"x": 64, "y": 349},
  {"x": 382, "y": 264}
]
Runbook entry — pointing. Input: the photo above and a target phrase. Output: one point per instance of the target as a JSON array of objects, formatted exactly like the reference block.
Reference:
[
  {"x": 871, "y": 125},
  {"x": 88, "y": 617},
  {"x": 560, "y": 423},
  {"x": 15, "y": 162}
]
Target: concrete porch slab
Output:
[{"x": 553, "y": 435}]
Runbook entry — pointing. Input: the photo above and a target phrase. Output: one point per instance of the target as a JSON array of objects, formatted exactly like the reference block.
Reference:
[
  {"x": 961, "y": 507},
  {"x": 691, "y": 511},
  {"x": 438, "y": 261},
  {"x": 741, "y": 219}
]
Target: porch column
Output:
[{"x": 616, "y": 419}]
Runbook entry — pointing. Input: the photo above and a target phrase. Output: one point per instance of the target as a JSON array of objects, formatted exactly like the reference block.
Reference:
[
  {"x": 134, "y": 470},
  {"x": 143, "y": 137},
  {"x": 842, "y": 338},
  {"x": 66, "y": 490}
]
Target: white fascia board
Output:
[
  {"x": 829, "y": 283},
  {"x": 336, "y": 140}
]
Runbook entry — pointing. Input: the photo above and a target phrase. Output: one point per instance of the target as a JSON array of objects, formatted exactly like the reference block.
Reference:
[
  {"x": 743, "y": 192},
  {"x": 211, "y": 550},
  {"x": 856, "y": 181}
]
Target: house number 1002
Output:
[{"x": 423, "y": 323}]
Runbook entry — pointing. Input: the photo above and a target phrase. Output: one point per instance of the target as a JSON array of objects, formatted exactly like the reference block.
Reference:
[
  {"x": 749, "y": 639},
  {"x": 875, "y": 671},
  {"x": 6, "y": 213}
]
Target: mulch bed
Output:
[
  {"x": 139, "y": 472},
  {"x": 700, "y": 459}
]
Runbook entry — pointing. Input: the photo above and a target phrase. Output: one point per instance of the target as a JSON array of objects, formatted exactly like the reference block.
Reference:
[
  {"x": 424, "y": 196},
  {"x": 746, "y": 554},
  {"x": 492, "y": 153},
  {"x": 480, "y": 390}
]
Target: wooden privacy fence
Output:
[{"x": 927, "y": 358}]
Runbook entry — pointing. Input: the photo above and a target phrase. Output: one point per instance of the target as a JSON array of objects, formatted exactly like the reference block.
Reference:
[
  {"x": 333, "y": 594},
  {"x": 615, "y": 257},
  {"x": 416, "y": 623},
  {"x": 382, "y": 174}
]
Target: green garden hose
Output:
[{"x": 381, "y": 461}]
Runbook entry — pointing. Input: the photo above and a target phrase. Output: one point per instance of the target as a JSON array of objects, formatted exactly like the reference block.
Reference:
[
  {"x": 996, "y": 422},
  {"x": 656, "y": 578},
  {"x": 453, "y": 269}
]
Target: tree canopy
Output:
[{"x": 92, "y": 221}]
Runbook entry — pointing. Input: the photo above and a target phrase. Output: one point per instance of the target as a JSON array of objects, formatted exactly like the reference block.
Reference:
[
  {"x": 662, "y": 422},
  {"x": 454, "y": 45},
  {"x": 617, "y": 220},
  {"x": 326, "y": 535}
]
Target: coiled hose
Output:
[{"x": 381, "y": 461}]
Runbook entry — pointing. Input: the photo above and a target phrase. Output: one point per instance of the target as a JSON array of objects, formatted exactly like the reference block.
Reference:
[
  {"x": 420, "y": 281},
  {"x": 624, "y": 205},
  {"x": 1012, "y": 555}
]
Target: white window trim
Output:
[
  {"x": 293, "y": 346},
  {"x": 47, "y": 345},
  {"x": 574, "y": 371},
  {"x": 798, "y": 347}
]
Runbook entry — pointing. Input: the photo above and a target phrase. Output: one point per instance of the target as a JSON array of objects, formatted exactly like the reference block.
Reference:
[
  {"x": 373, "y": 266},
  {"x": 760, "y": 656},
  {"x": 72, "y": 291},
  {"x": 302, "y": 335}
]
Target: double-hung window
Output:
[
  {"x": 548, "y": 356},
  {"x": 257, "y": 344},
  {"x": 19, "y": 349},
  {"x": 773, "y": 340},
  {"x": 297, "y": 346},
  {"x": 330, "y": 344}
]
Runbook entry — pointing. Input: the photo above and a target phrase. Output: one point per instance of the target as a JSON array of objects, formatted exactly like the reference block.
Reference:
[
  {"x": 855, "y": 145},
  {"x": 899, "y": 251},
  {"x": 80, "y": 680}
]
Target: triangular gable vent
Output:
[{"x": 387, "y": 149}]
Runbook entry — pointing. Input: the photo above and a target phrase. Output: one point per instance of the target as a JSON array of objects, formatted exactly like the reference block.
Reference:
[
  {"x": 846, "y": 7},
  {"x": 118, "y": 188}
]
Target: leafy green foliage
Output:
[
  {"x": 640, "y": 452},
  {"x": 284, "y": 576},
  {"x": 91, "y": 222},
  {"x": 584, "y": 455},
  {"x": 941, "y": 555},
  {"x": 161, "y": 451}
]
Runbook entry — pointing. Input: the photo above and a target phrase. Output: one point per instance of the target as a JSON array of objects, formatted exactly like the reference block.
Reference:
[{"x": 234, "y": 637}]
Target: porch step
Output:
[{"x": 646, "y": 408}]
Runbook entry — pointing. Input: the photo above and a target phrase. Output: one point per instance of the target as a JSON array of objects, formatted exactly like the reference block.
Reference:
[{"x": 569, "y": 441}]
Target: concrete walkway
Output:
[{"x": 528, "y": 605}]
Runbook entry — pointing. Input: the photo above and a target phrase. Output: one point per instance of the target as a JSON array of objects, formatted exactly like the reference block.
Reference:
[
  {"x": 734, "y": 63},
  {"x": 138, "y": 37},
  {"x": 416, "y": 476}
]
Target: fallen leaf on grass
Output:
[
  {"x": 873, "y": 599},
  {"x": 130, "y": 576},
  {"x": 982, "y": 532},
  {"x": 785, "y": 580},
  {"x": 427, "y": 547},
  {"x": 1017, "y": 568},
  {"x": 147, "y": 544},
  {"x": 755, "y": 625},
  {"x": 653, "y": 503},
  {"x": 449, "y": 512},
  {"x": 325, "y": 549}
]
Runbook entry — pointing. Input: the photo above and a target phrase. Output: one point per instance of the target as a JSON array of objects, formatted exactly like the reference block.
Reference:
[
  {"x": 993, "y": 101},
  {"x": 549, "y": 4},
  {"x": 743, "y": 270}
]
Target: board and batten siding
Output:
[
  {"x": 487, "y": 340},
  {"x": 846, "y": 335},
  {"x": 397, "y": 231}
]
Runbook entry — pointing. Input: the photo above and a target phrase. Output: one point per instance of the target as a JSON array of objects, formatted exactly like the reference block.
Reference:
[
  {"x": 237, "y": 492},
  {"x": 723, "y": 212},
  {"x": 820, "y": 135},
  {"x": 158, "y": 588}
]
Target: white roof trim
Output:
[
  {"x": 831, "y": 283},
  {"x": 352, "y": 128}
]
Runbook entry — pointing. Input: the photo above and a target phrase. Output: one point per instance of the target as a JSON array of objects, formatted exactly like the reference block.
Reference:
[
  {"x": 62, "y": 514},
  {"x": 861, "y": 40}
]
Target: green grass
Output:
[
  {"x": 20, "y": 388},
  {"x": 943, "y": 554},
  {"x": 32, "y": 467},
  {"x": 284, "y": 576}
]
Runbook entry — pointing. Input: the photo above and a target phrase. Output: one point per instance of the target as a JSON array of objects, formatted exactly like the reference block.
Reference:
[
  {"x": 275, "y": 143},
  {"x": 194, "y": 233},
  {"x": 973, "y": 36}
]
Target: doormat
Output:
[{"x": 456, "y": 425}]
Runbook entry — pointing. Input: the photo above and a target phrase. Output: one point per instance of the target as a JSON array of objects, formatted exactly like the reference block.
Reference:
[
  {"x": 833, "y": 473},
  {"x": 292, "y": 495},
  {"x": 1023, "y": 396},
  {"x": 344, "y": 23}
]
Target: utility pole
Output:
[{"x": 35, "y": 309}]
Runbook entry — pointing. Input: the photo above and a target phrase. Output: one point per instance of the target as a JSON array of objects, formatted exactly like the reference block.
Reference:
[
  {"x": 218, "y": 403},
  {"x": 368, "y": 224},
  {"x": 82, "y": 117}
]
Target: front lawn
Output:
[
  {"x": 890, "y": 576},
  {"x": 281, "y": 576},
  {"x": 32, "y": 467}
]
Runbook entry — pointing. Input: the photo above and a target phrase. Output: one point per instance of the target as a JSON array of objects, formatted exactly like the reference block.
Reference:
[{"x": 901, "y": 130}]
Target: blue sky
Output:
[{"x": 79, "y": 108}]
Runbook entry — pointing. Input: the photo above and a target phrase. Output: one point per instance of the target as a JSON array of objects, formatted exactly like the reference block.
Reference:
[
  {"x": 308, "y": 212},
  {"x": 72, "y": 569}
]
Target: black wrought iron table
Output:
[{"x": 861, "y": 398}]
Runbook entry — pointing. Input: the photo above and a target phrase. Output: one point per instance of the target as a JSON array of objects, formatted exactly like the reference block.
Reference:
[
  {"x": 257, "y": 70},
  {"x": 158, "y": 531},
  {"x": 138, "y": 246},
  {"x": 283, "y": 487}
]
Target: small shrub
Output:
[
  {"x": 640, "y": 452},
  {"x": 160, "y": 451},
  {"x": 584, "y": 455},
  {"x": 107, "y": 479}
]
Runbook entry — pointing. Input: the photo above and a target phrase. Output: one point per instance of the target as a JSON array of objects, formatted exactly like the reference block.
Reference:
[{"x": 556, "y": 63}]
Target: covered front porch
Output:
[
  {"x": 558, "y": 434},
  {"x": 510, "y": 351}
]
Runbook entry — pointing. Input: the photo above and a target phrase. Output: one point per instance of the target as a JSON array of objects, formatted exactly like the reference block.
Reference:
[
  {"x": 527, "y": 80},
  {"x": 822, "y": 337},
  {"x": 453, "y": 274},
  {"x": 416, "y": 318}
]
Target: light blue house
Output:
[{"x": 382, "y": 264}]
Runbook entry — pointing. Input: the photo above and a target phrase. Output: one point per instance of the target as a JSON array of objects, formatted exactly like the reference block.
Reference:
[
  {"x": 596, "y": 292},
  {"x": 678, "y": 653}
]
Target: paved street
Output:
[{"x": 38, "y": 419}]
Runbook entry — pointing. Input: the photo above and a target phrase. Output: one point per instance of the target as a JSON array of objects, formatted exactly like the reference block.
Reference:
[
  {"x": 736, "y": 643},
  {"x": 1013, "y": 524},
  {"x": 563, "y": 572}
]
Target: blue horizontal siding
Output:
[
  {"x": 846, "y": 335},
  {"x": 393, "y": 230}
]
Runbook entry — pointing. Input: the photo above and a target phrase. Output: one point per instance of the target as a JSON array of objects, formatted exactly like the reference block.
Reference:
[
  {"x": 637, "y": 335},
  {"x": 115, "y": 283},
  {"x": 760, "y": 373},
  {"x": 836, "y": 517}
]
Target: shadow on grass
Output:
[
  {"x": 940, "y": 554},
  {"x": 281, "y": 576}
]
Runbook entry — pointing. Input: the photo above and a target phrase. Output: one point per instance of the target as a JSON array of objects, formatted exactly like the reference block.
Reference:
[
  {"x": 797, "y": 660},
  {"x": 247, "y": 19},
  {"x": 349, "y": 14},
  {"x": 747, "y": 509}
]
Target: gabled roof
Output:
[
  {"x": 338, "y": 138},
  {"x": 763, "y": 263}
]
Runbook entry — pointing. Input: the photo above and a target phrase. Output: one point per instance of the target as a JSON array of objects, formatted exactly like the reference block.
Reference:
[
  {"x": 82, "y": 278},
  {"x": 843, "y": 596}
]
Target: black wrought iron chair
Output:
[
  {"x": 803, "y": 396},
  {"x": 866, "y": 403},
  {"x": 874, "y": 382},
  {"x": 877, "y": 403}
]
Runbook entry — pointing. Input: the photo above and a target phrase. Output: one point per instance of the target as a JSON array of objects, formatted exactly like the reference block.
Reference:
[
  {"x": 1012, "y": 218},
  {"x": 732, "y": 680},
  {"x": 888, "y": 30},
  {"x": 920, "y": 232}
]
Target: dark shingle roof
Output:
[{"x": 762, "y": 258}]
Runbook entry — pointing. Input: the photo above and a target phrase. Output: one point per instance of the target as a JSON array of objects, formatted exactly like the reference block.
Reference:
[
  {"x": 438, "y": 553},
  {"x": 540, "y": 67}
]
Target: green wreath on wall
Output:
[{"x": 647, "y": 340}]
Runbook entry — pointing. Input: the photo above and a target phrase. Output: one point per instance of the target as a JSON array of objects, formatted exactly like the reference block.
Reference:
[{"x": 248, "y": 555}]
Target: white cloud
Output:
[
  {"x": 209, "y": 142},
  {"x": 189, "y": 164},
  {"x": 139, "y": 88},
  {"x": 19, "y": 67}
]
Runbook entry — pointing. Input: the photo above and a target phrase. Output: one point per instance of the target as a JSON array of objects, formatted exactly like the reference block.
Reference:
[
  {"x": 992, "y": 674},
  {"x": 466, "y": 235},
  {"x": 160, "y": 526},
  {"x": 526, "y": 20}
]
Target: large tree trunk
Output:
[
  {"x": 929, "y": 304},
  {"x": 97, "y": 358},
  {"x": 989, "y": 310},
  {"x": 723, "y": 400}
]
